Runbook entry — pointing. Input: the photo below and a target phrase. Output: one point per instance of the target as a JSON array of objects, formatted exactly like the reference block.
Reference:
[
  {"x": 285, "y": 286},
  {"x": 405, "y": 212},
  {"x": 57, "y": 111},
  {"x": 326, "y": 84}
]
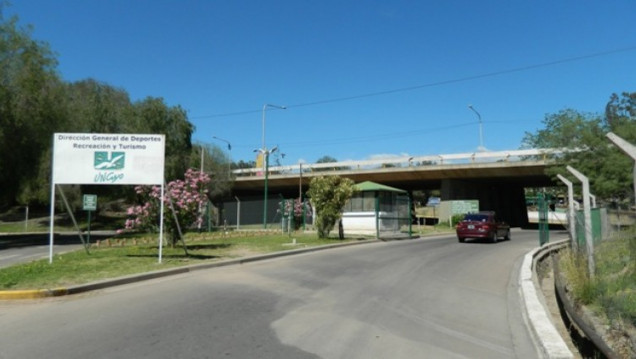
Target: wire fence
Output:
[
  {"x": 381, "y": 216},
  {"x": 253, "y": 212}
]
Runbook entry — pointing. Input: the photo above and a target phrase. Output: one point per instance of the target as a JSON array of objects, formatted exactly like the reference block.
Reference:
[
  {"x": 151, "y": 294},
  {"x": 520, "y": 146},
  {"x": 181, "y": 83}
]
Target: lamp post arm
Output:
[
  {"x": 481, "y": 133},
  {"x": 265, "y": 106}
]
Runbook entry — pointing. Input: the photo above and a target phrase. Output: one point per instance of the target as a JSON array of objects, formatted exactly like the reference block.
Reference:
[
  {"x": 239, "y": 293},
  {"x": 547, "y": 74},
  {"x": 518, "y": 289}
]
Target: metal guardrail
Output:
[{"x": 408, "y": 161}]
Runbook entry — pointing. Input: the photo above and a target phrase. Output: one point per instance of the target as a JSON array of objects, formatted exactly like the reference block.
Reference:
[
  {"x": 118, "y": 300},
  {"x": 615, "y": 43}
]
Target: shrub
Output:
[{"x": 186, "y": 197}]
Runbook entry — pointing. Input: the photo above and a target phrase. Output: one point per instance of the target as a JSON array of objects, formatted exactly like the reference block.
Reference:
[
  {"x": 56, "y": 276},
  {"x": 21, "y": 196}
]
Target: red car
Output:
[{"x": 482, "y": 225}]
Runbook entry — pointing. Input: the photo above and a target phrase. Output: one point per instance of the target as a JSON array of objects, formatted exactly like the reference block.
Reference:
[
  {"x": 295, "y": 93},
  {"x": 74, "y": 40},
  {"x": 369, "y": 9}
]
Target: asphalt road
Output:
[
  {"x": 22, "y": 248},
  {"x": 427, "y": 298}
]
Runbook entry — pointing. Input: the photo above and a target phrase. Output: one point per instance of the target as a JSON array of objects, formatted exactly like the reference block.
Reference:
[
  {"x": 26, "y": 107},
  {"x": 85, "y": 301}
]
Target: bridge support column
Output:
[{"x": 507, "y": 199}]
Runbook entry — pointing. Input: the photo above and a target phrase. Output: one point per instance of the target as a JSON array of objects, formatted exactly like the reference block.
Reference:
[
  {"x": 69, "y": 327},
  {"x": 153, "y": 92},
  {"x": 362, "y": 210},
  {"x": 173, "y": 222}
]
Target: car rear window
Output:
[{"x": 476, "y": 218}]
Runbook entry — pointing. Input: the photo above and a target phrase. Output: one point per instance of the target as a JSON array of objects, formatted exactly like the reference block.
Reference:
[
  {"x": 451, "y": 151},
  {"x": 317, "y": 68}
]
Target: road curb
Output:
[
  {"x": 545, "y": 335},
  {"x": 32, "y": 293}
]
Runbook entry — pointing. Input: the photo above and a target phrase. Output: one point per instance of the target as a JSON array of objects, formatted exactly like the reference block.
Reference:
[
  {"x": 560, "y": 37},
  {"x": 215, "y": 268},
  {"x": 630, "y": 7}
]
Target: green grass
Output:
[
  {"x": 137, "y": 254},
  {"x": 612, "y": 291}
]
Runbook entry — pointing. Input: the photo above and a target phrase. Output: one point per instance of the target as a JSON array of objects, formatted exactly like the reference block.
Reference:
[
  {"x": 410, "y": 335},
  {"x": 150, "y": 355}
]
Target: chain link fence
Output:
[{"x": 251, "y": 213}]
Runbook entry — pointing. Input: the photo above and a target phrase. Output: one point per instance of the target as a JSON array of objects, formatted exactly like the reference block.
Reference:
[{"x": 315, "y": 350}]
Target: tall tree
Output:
[
  {"x": 35, "y": 103},
  {"x": 326, "y": 159},
  {"x": 93, "y": 106},
  {"x": 31, "y": 95},
  {"x": 152, "y": 115},
  {"x": 620, "y": 115},
  {"x": 216, "y": 163},
  {"x": 590, "y": 152}
]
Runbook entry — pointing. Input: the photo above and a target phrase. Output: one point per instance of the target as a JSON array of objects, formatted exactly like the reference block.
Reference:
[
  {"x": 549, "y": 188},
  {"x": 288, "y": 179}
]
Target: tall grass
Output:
[{"x": 612, "y": 291}]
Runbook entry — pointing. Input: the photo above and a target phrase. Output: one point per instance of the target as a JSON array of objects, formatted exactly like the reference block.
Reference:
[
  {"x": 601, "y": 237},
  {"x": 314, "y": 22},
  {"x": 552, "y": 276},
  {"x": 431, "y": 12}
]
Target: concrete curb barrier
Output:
[
  {"x": 545, "y": 335},
  {"x": 32, "y": 293}
]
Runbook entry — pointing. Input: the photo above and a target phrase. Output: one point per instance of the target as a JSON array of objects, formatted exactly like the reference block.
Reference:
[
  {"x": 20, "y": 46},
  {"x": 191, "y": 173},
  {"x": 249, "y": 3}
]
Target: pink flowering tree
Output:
[
  {"x": 188, "y": 197},
  {"x": 296, "y": 209}
]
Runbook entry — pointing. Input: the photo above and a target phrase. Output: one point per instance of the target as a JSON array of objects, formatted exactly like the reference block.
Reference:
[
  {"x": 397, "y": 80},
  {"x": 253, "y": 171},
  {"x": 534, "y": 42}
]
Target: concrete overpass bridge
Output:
[{"x": 496, "y": 179}]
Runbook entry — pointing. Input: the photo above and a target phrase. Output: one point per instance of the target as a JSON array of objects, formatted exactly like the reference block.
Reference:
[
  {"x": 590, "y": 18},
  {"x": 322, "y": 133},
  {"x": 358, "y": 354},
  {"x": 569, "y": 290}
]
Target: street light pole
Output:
[
  {"x": 265, "y": 106},
  {"x": 229, "y": 149},
  {"x": 481, "y": 134},
  {"x": 265, "y": 153}
]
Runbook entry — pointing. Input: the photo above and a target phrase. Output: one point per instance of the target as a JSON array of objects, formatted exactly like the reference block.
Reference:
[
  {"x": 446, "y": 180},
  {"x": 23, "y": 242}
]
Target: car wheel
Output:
[
  {"x": 461, "y": 240},
  {"x": 493, "y": 239},
  {"x": 507, "y": 237}
]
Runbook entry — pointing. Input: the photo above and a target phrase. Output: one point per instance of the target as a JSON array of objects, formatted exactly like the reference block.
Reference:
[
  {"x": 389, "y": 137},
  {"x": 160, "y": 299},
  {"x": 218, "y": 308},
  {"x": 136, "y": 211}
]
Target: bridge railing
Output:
[{"x": 406, "y": 161}]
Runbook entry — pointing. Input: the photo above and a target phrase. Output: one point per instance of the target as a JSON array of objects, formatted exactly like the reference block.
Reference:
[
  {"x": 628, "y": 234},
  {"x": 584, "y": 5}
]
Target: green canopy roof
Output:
[{"x": 367, "y": 186}]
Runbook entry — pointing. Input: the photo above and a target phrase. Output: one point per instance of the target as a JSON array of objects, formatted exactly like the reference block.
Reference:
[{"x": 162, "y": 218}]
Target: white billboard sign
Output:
[{"x": 107, "y": 158}]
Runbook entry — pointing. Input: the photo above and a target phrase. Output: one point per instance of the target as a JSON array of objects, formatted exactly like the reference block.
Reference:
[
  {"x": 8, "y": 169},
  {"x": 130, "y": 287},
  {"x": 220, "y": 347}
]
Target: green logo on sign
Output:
[{"x": 109, "y": 160}]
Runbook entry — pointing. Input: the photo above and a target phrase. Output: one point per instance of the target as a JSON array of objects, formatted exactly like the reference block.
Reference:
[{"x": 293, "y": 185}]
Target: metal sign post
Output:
[{"x": 89, "y": 204}]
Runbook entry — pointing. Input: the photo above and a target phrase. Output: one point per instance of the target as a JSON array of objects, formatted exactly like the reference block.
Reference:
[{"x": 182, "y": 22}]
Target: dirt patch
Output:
[
  {"x": 238, "y": 251},
  {"x": 546, "y": 278}
]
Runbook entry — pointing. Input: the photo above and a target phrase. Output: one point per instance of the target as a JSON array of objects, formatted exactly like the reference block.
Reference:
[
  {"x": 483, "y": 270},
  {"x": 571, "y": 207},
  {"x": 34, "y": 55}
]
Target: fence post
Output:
[
  {"x": 238, "y": 213},
  {"x": 629, "y": 149},
  {"x": 571, "y": 212},
  {"x": 587, "y": 215},
  {"x": 377, "y": 217},
  {"x": 410, "y": 217},
  {"x": 544, "y": 224}
]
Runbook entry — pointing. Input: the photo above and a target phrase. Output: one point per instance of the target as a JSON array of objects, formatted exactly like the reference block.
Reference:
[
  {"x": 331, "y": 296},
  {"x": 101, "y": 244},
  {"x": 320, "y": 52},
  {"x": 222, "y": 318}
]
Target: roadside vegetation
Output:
[
  {"x": 611, "y": 291},
  {"x": 611, "y": 294}
]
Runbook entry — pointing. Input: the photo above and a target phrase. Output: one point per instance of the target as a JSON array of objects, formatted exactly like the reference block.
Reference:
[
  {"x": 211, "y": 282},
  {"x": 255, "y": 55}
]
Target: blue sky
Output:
[{"x": 360, "y": 79}]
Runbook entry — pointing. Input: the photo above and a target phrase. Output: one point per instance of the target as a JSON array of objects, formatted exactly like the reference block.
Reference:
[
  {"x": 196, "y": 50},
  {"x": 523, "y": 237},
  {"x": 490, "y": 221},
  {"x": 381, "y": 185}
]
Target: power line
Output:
[
  {"x": 437, "y": 83},
  {"x": 378, "y": 137}
]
